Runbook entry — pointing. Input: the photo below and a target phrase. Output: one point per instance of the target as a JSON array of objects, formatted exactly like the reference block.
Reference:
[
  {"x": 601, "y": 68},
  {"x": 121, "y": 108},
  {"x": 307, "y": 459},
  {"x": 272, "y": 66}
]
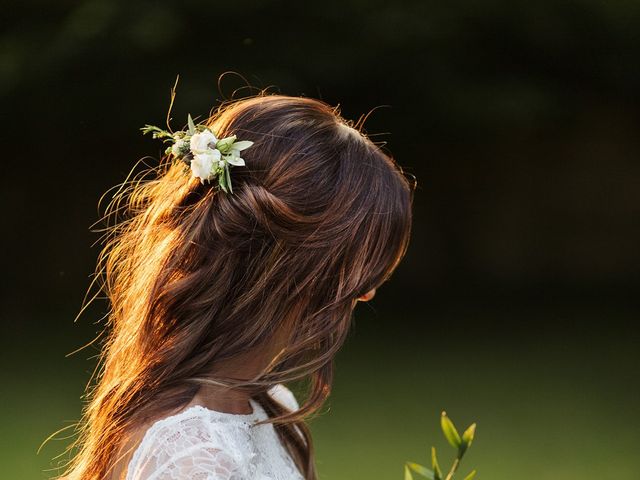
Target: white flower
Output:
[
  {"x": 177, "y": 147},
  {"x": 200, "y": 142},
  {"x": 202, "y": 165}
]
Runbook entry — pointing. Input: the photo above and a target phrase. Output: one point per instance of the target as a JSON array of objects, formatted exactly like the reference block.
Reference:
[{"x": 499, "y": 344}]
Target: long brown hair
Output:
[{"x": 319, "y": 216}]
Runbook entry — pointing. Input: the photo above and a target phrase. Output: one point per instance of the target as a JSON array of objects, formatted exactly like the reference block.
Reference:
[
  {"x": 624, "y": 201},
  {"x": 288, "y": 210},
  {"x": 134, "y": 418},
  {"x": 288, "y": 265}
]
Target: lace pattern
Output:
[{"x": 203, "y": 444}]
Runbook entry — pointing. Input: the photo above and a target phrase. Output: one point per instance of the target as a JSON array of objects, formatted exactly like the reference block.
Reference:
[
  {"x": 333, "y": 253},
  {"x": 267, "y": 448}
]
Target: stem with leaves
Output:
[{"x": 460, "y": 443}]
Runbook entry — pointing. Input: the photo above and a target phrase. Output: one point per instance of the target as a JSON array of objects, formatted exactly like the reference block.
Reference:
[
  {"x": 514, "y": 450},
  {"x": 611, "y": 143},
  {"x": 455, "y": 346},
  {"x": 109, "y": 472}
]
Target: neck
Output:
[
  {"x": 226, "y": 399},
  {"x": 243, "y": 367},
  {"x": 223, "y": 399}
]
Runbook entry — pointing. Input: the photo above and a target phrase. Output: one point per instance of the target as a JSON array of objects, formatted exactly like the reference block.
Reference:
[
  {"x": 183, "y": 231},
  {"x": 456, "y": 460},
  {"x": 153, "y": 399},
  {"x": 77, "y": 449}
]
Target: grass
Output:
[{"x": 551, "y": 403}]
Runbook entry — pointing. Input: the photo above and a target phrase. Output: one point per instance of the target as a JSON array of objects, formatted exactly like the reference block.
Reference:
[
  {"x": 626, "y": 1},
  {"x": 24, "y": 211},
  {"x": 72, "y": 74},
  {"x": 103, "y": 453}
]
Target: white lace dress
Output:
[{"x": 203, "y": 444}]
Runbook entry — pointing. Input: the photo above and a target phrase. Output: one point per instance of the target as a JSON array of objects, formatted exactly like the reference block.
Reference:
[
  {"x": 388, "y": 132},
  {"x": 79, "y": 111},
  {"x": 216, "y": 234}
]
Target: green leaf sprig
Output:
[{"x": 460, "y": 443}]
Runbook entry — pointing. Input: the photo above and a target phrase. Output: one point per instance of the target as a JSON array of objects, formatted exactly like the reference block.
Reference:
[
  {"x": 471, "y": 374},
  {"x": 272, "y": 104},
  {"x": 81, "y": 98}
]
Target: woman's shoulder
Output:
[
  {"x": 197, "y": 440},
  {"x": 188, "y": 444}
]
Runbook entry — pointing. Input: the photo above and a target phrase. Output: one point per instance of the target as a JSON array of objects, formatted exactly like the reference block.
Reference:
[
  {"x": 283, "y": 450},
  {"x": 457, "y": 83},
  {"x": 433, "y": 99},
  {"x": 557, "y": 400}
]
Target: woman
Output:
[{"x": 222, "y": 294}]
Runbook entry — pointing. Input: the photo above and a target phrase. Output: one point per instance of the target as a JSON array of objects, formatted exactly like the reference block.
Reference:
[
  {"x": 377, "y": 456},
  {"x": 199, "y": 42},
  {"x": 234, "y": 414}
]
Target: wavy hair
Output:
[{"x": 319, "y": 216}]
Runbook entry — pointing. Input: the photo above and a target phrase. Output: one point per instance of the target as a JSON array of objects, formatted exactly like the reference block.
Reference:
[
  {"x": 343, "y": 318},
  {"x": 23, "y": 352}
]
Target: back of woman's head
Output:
[{"x": 197, "y": 276}]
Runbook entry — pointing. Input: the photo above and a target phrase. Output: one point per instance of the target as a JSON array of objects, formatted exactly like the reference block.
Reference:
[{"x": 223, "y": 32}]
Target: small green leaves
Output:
[
  {"x": 222, "y": 181},
  {"x": 407, "y": 473},
  {"x": 226, "y": 172},
  {"x": 192, "y": 126},
  {"x": 156, "y": 132},
  {"x": 242, "y": 145},
  {"x": 467, "y": 438},
  {"x": 461, "y": 444},
  {"x": 437, "y": 473},
  {"x": 420, "y": 470},
  {"x": 469, "y": 433},
  {"x": 449, "y": 430},
  {"x": 471, "y": 475},
  {"x": 225, "y": 144}
]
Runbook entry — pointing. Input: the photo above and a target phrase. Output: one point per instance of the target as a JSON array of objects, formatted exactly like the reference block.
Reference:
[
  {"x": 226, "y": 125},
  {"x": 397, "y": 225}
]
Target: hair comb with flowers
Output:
[{"x": 198, "y": 147}]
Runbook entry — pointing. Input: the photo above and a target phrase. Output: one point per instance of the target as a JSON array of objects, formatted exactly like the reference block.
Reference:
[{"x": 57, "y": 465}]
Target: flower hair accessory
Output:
[{"x": 198, "y": 147}]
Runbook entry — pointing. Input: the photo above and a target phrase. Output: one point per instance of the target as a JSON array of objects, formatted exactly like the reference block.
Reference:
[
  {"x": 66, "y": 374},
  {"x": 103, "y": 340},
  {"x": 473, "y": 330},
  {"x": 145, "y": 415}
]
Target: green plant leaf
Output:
[
  {"x": 192, "y": 126},
  {"x": 437, "y": 473},
  {"x": 226, "y": 172},
  {"x": 421, "y": 470},
  {"x": 222, "y": 181},
  {"x": 157, "y": 132},
  {"x": 469, "y": 433},
  {"x": 471, "y": 475},
  {"x": 449, "y": 430},
  {"x": 467, "y": 437},
  {"x": 242, "y": 145},
  {"x": 225, "y": 144},
  {"x": 407, "y": 473}
]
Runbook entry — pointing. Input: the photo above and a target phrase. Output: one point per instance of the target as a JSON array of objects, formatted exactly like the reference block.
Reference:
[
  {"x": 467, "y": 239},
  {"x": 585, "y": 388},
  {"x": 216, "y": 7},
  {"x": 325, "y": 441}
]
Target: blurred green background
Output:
[{"x": 517, "y": 303}]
